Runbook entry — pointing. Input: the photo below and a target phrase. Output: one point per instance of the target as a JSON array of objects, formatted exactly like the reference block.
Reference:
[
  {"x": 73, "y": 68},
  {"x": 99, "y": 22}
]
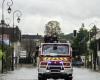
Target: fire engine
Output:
[{"x": 55, "y": 61}]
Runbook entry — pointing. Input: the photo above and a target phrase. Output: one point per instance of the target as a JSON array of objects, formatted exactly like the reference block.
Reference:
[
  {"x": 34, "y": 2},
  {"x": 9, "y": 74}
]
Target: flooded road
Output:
[
  {"x": 21, "y": 73},
  {"x": 30, "y": 73}
]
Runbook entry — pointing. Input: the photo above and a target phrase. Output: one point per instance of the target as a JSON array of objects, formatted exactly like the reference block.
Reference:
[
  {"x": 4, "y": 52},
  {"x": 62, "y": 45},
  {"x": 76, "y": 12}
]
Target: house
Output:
[
  {"x": 28, "y": 44},
  {"x": 11, "y": 36}
]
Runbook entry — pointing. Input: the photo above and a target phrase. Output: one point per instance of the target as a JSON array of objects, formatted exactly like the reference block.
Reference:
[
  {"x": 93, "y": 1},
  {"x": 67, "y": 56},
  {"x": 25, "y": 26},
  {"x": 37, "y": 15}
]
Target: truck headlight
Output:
[{"x": 62, "y": 71}]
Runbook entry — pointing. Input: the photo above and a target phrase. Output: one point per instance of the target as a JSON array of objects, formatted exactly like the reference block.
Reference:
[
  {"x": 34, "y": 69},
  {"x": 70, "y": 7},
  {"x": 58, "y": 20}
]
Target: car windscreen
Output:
[{"x": 55, "y": 49}]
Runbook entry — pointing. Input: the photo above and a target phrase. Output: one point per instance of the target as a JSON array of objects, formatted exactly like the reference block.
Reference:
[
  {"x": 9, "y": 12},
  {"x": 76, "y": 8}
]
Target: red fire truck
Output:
[{"x": 55, "y": 61}]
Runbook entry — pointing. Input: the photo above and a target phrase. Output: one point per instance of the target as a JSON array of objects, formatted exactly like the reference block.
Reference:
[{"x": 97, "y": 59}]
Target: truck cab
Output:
[{"x": 55, "y": 61}]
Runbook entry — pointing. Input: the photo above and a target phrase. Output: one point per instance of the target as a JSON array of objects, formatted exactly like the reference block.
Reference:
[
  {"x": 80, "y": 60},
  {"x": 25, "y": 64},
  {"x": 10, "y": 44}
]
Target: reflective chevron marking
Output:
[{"x": 55, "y": 58}]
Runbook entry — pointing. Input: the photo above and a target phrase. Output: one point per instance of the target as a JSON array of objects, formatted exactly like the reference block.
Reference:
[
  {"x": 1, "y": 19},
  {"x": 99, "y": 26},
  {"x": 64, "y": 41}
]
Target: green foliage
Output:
[
  {"x": 93, "y": 31},
  {"x": 1, "y": 54},
  {"x": 80, "y": 42},
  {"x": 52, "y": 27},
  {"x": 66, "y": 37},
  {"x": 93, "y": 45},
  {"x": 7, "y": 56}
]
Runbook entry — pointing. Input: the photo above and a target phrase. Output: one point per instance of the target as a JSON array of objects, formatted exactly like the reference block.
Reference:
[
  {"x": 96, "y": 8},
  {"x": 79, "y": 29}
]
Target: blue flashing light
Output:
[
  {"x": 49, "y": 62},
  {"x": 61, "y": 62}
]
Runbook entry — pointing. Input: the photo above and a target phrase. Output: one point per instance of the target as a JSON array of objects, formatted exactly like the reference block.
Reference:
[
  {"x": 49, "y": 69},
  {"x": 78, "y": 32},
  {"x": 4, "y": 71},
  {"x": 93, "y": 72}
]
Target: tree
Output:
[
  {"x": 52, "y": 27},
  {"x": 93, "y": 44},
  {"x": 93, "y": 31},
  {"x": 66, "y": 37},
  {"x": 80, "y": 42}
]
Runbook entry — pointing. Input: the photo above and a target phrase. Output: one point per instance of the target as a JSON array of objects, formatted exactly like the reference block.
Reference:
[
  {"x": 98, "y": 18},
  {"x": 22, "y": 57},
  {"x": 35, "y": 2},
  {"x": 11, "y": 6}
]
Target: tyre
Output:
[
  {"x": 41, "y": 78},
  {"x": 44, "y": 79},
  {"x": 68, "y": 78}
]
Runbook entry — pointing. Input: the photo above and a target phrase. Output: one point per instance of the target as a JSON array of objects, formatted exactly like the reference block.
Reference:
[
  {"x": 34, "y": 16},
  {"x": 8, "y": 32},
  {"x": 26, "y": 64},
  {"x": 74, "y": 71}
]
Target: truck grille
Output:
[{"x": 55, "y": 68}]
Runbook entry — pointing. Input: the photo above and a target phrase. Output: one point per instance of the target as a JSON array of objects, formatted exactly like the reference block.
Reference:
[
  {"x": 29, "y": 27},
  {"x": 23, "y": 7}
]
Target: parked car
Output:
[{"x": 77, "y": 63}]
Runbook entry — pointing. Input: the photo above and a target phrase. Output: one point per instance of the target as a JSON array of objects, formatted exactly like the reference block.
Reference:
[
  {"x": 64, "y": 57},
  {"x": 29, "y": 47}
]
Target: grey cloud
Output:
[
  {"x": 70, "y": 11},
  {"x": 71, "y": 8}
]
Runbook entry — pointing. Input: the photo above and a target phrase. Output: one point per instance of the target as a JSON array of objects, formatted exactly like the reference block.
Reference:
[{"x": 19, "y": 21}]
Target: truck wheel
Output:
[
  {"x": 41, "y": 78},
  {"x": 44, "y": 79},
  {"x": 68, "y": 78}
]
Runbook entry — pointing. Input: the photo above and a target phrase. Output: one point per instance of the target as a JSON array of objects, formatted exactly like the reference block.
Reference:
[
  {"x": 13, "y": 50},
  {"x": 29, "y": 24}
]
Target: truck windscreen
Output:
[{"x": 55, "y": 49}]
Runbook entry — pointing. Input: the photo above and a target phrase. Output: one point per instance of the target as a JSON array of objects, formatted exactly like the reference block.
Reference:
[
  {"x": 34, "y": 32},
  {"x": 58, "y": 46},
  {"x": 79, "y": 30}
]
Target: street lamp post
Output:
[
  {"x": 19, "y": 14},
  {"x": 95, "y": 51},
  {"x": 8, "y": 34},
  {"x": 8, "y": 26},
  {"x": 9, "y": 9},
  {"x": 3, "y": 22},
  {"x": 89, "y": 48},
  {"x": 89, "y": 43}
]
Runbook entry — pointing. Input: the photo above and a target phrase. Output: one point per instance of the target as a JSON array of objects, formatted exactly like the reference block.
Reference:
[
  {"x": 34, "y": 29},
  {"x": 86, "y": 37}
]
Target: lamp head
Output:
[
  {"x": 18, "y": 19},
  {"x": 9, "y": 10}
]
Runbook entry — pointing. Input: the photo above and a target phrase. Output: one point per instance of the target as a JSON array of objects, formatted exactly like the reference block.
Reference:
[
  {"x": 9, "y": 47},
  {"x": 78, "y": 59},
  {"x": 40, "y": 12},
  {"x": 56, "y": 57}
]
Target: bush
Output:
[{"x": 1, "y": 54}]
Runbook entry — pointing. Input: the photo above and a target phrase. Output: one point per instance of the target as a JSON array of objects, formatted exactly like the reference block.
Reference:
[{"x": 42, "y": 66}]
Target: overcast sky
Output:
[{"x": 69, "y": 13}]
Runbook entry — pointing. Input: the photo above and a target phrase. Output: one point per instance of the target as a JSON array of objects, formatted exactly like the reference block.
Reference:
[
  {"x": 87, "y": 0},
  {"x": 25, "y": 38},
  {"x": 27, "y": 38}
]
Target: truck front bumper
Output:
[
  {"x": 55, "y": 75},
  {"x": 62, "y": 74}
]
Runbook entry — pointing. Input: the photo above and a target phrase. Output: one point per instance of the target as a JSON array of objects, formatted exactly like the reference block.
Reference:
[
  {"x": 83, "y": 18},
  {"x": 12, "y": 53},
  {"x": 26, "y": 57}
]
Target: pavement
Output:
[{"x": 22, "y": 72}]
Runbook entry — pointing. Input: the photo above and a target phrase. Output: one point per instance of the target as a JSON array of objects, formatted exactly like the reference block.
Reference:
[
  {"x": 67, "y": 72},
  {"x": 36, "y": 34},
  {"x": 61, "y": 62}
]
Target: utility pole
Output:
[
  {"x": 90, "y": 53},
  {"x": 18, "y": 20},
  {"x": 95, "y": 49},
  {"x": 3, "y": 25},
  {"x": 95, "y": 54}
]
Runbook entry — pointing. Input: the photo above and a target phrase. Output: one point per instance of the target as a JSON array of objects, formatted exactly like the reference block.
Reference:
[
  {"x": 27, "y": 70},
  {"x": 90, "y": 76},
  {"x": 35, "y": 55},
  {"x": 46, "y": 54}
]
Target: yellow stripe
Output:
[{"x": 55, "y": 58}]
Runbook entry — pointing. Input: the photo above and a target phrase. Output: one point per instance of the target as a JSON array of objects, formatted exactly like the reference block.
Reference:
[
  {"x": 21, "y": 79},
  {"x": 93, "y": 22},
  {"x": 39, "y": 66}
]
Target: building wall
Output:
[
  {"x": 98, "y": 53},
  {"x": 17, "y": 48},
  {"x": 98, "y": 35},
  {"x": 14, "y": 34},
  {"x": 98, "y": 48}
]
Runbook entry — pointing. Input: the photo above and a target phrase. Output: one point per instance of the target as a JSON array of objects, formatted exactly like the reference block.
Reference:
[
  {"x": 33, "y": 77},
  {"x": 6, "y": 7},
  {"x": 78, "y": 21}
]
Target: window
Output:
[{"x": 58, "y": 49}]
